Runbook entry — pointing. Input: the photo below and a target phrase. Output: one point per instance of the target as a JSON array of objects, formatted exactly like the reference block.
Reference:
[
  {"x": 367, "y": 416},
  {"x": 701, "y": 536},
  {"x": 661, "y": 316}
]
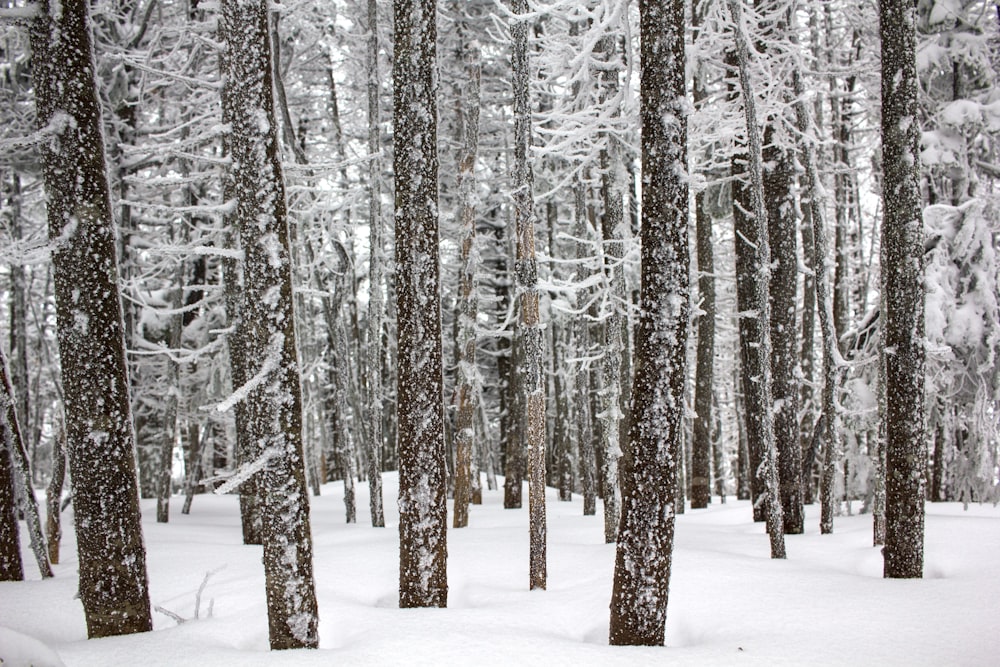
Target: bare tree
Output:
[
  {"x": 653, "y": 449},
  {"x": 100, "y": 439},
  {"x": 423, "y": 515},
  {"x": 273, "y": 394},
  {"x": 902, "y": 293}
]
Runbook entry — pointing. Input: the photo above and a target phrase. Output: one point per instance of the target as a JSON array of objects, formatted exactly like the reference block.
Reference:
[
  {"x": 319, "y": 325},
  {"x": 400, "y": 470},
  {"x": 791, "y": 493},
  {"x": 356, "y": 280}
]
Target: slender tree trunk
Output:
[
  {"x": 612, "y": 233},
  {"x": 757, "y": 353},
  {"x": 423, "y": 512},
  {"x": 113, "y": 582},
  {"x": 467, "y": 393},
  {"x": 653, "y": 449},
  {"x": 701, "y": 437},
  {"x": 531, "y": 381},
  {"x": 11, "y": 567},
  {"x": 829, "y": 423},
  {"x": 273, "y": 389},
  {"x": 376, "y": 303},
  {"x": 53, "y": 495},
  {"x": 587, "y": 461},
  {"x": 902, "y": 293}
]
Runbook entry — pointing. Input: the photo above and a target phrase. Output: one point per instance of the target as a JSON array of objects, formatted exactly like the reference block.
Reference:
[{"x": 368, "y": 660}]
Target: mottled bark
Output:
[
  {"x": 273, "y": 391},
  {"x": 11, "y": 567},
  {"x": 649, "y": 471},
  {"x": 376, "y": 272},
  {"x": 902, "y": 294},
  {"x": 90, "y": 329},
  {"x": 701, "y": 436},
  {"x": 423, "y": 517},
  {"x": 53, "y": 496},
  {"x": 612, "y": 233},
  {"x": 526, "y": 274},
  {"x": 467, "y": 393}
]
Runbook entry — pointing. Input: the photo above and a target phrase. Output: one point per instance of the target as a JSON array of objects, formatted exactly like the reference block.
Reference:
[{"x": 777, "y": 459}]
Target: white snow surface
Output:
[{"x": 730, "y": 604}]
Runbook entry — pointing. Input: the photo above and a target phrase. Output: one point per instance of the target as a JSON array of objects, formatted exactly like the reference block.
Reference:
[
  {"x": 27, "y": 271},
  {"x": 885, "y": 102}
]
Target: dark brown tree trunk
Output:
[
  {"x": 649, "y": 473},
  {"x": 902, "y": 293},
  {"x": 53, "y": 495},
  {"x": 423, "y": 512},
  {"x": 272, "y": 390},
  {"x": 113, "y": 583},
  {"x": 11, "y": 567}
]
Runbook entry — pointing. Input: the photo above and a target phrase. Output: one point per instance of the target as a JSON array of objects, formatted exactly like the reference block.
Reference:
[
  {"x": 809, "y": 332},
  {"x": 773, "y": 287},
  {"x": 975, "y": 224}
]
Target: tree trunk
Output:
[
  {"x": 273, "y": 395},
  {"x": 529, "y": 325},
  {"x": 612, "y": 233},
  {"x": 113, "y": 583},
  {"x": 757, "y": 352},
  {"x": 11, "y": 567},
  {"x": 376, "y": 303},
  {"x": 467, "y": 393},
  {"x": 653, "y": 450},
  {"x": 423, "y": 511},
  {"x": 53, "y": 495},
  {"x": 902, "y": 294}
]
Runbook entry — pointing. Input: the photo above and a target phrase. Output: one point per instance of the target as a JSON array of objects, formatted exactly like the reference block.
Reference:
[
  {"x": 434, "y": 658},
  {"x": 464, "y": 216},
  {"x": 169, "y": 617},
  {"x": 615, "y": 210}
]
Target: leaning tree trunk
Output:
[
  {"x": 273, "y": 394},
  {"x": 423, "y": 515},
  {"x": 902, "y": 294},
  {"x": 757, "y": 354},
  {"x": 653, "y": 449},
  {"x": 113, "y": 583},
  {"x": 11, "y": 567}
]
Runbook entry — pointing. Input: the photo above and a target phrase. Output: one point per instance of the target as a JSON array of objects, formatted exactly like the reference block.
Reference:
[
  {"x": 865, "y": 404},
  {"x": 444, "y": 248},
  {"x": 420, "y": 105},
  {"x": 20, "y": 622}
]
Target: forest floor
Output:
[{"x": 730, "y": 604}]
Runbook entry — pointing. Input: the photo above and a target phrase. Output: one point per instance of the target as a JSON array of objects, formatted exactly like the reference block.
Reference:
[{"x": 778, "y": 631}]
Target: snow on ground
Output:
[{"x": 729, "y": 603}]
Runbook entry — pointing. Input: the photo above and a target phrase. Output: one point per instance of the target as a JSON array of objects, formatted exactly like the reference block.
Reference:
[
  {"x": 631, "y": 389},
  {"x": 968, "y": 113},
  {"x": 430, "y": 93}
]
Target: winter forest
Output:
[{"x": 539, "y": 313}]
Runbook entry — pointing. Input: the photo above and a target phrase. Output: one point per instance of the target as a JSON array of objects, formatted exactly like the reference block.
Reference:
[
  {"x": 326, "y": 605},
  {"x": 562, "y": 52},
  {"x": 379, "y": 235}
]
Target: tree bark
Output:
[
  {"x": 100, "y": 439},
  {"x": 529, "y": 325},
  {"x": 467, "y": 393},
  {"x": 757, "y": 352},
  {"x": 902, "y": 293},
  {"x": 423, "y": 514},
  {"x": 653, "y": 449},
  {"x": 273, "y": 395}
]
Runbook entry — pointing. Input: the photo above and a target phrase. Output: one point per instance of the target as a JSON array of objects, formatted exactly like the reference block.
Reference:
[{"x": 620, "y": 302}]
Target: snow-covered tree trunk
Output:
[
  {"x": 100, "y": 438},
  {"x": 13, "y": 442},
  {"x": 757, "y": 353},
  {"x": 813, "y": 199},
  {"x": 902, "y": 293},
  {"x": 53, "y": 496},
  {"x": 701, "y": 437},
  {"x": 782, "y": 218},
  {"x": 11, "y": 567},
  {"x": 423, "y": 516},
  {"x": 583, "y": 339},
  {"x": 376, "y": 271},
  {"x": 612, "y": 234},
  {"x": 467, "y": 392},
  {"x": 272, "y": 391},
  {"x": 531, "y": 381},
  {"x": 649, "y": 473}
]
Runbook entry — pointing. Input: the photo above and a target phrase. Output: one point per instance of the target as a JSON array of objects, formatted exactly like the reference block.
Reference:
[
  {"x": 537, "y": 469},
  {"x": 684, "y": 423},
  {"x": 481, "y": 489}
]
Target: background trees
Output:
[{"x": 360, "y": 280}]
